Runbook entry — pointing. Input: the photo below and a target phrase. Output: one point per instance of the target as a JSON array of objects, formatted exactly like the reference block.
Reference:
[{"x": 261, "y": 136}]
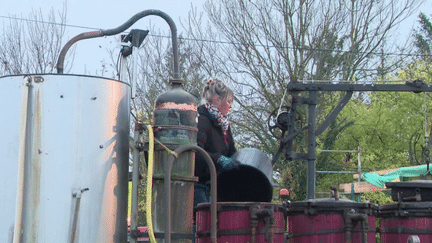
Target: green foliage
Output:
[
  {"x": 423, "y": 37},
  {"x": 389, "y": 130},
  {"x": 389, "y": 127},
  {"x": 378, "y": 197}
]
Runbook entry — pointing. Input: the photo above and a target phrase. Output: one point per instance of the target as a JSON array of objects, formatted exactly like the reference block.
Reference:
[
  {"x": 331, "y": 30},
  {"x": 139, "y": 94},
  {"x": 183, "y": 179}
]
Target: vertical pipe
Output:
[
  {"x": 134, "y": 71},
  {"x": 135, "y": 174},
  {"x": 77, "y": 194},
  {"x": 348, "y": 236},
  {"x": 123, "y": 69},
  {"x": 291, "y": 128},
  {"x": 359, "y": 164},
  {"x": 253, "y": 234},
  {"x": 254, "y": 224},
  {"x": 213, "y": 192},
  {"x": 311, "y": 146}
]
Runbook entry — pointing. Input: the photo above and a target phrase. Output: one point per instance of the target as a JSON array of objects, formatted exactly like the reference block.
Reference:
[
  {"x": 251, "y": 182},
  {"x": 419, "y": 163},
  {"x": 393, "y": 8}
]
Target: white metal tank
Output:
[{"x": 64, "y": 153}]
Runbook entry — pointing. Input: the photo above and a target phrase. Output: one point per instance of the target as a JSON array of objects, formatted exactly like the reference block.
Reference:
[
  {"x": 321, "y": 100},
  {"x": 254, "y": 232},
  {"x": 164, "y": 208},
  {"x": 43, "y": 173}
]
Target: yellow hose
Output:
[{"x": 150, "y": 185}]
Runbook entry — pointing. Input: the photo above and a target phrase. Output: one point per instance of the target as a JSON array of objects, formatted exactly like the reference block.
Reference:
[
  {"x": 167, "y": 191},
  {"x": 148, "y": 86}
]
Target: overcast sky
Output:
[
  {"x": 109, "y": 14},
  {"x": 101, "y": 14}
]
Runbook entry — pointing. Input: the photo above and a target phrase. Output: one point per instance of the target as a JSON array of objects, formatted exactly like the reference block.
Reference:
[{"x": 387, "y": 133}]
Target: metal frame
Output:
[{"x": 294, "y": 88}]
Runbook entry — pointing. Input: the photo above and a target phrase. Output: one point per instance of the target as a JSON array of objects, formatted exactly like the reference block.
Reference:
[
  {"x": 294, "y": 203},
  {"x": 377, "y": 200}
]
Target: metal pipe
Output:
[
  {"x": 348, "y": 236},
  {"x": 359, "y": 164},
  {"x": 364, "y": 234},
  {"x": 213, "y": 193},
  {"x": 82, "y": 36},
  {"x": 350, "y": 217},
  {"x": 311, "y": 146},
  {"x": 122, "y": 73},
  {"x": 77, "y": 194},
  {"x": 339, "y": 151},
  {"x": 135, "y": 177},
  {"x": 134, "y": 71},
  {"x": 123, "y": 27},
  {"x": 253, "y": 234}
]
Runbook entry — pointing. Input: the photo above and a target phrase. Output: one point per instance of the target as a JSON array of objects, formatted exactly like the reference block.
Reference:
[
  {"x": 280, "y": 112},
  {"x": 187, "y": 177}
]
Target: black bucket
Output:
[{"x": 250, "y": 182}]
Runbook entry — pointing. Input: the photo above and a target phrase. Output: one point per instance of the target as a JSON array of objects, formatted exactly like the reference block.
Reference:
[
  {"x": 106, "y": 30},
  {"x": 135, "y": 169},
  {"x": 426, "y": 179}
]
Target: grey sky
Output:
[
  {"x": 101, "y": 14},
  {"x": 108, "y": 14}
]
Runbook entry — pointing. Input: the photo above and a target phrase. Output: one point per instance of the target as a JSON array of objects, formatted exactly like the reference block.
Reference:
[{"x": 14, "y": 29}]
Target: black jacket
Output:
[{"x": 210, "y": 137}]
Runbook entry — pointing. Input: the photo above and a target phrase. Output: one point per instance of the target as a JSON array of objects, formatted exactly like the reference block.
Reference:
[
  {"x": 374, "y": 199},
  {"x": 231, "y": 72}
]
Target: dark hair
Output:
[{"x": 215, "y": 87}]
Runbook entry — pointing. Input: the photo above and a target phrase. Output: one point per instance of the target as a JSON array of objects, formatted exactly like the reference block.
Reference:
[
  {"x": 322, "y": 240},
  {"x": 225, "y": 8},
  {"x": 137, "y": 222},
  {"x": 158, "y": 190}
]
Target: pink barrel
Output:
[
  {"x": 401, "y": 220},
  {"x": 242, "y": 222},
  {"x": 331, "y": 221}
]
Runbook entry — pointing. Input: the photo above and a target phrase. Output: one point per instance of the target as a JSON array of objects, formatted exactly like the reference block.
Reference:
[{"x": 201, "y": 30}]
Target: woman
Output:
[{"x": 214, "y": 135}]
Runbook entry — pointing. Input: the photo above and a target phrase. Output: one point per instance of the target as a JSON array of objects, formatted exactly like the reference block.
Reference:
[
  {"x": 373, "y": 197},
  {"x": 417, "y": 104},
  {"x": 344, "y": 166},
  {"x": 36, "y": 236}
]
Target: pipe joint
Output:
[{"x": 352, "y": 218}]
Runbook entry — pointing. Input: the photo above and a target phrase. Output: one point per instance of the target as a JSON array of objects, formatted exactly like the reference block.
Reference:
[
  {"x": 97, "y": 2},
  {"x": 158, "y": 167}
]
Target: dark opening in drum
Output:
[{"x": 244, "y": 184}]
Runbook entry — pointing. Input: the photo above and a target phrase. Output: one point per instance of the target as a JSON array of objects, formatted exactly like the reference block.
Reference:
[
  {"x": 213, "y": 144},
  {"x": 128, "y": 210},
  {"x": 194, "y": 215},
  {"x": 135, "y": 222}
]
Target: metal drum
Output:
[
  {"x": 64, "y": 158},
  {"x": 401, "y": 220},
  {"x": 250, "y": 182},
  {"x": 330, "y": 220},
  {"x": 411, "y": 216},
  {"x": 242, "y": 222}
]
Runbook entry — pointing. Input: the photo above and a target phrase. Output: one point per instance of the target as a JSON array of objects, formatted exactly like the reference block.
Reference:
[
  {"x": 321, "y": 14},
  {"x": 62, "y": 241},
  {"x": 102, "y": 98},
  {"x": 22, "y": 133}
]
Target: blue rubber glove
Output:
[{"x": 227, "y": 163}]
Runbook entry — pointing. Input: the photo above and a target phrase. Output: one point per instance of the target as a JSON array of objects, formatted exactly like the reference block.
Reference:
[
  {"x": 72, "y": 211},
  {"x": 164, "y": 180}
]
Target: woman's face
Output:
[{"x": 224, "y": 106}]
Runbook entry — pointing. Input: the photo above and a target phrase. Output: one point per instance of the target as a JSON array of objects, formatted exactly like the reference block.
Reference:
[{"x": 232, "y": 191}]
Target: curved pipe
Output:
[
  {"x": 123, "y": 27},
  {"x": 167, "y": 186},
  {"x": 350, "y": 218}
]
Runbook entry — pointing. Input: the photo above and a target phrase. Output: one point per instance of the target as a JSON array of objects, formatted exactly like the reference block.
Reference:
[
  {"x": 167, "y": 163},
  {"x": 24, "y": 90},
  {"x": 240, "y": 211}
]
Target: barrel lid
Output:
[
  {"x": 229, "y": 206},
  {"x": 410, "y": 184},
  {"x": 406, "y": 205},
  {"x": 331, "y": 203},
  {"x": 316, "y": 207}
]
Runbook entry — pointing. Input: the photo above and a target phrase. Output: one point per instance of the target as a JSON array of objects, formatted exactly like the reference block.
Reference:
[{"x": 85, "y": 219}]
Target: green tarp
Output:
[{"x": 380, "y": 180}]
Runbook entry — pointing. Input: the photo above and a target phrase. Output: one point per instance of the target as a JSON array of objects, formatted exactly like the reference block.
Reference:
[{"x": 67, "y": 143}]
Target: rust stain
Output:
[{"x": 175, "y": 106}]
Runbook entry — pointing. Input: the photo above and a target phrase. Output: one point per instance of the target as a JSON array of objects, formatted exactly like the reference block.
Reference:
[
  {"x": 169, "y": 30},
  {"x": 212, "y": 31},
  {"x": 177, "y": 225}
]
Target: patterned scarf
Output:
[{"x": 222, "y": 120}]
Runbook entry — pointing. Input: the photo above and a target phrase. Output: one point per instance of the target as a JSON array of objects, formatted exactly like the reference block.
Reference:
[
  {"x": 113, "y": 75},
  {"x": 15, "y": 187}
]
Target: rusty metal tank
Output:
[
  {"x": 331, "y": 220},
  {"x": 410, "y": 216},
  {"x": 175, "y": 124},
  {"x": 64, "y": 158},
  {"x": 243, "y": 222}
]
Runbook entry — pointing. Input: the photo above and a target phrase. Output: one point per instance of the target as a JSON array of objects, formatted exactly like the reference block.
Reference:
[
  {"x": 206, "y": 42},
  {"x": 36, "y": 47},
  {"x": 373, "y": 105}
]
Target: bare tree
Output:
[
  {"x": 261, "y": 45},
  {"x": 258, "y": 46},
  {"x": 32, "y": 44},
  {"x": 155, "y": 60}
]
